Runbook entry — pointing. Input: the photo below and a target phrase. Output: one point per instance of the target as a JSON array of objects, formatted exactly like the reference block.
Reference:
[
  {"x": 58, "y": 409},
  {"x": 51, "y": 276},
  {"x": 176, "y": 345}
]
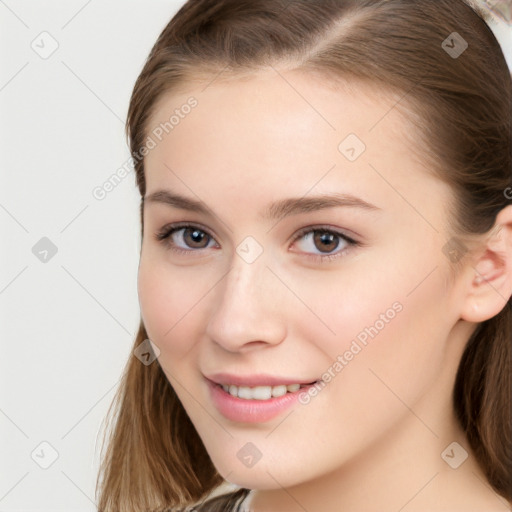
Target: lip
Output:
[
  {"x": 257, "y": 380},
  {"x": 252, "y": 411}
]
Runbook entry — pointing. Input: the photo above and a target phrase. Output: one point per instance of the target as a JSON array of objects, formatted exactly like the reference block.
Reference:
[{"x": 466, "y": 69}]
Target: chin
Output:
[{"x": 261, "y": 476}]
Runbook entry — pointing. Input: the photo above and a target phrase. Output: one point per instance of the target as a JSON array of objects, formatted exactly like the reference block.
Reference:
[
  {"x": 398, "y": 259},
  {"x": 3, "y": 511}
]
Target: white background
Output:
[{"x": 67, "y": 324}]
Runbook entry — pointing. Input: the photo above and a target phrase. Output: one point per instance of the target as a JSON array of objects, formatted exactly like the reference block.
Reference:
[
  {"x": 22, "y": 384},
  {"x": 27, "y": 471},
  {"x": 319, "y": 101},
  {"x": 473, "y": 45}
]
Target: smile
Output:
[
  {"x": 256, "y": 404},
  {"x": 260, "y": 392}
]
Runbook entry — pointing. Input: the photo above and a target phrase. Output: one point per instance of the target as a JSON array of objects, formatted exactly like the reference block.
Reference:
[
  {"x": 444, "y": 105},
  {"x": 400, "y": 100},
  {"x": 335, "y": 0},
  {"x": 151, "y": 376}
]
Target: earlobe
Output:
[{"x": 490, "y": 286}]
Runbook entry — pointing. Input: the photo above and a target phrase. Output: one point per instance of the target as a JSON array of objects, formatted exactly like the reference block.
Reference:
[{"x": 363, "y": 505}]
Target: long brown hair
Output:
[{"x": 154, "y": 458}]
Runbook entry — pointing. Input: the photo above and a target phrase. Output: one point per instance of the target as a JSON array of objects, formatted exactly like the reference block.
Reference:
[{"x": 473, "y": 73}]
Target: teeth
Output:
[
  {"x": 260, "y": 392},
  {"x": 278, "y": 391}
]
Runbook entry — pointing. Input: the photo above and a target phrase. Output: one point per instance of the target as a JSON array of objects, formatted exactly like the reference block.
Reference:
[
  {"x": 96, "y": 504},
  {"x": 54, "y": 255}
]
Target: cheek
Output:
[
  {"x": 336, "y": 310},
  {"x": 169, "y": 298},
  {"x": 394, "y": 324},
  {"x": 395, "y": 346}
]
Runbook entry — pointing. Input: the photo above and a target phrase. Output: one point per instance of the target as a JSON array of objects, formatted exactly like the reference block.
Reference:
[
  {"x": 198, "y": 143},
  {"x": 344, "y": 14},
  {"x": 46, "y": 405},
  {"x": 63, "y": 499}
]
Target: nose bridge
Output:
[
  {"x": 239, "y": 282},
  {"x": 245, "y": 309}
]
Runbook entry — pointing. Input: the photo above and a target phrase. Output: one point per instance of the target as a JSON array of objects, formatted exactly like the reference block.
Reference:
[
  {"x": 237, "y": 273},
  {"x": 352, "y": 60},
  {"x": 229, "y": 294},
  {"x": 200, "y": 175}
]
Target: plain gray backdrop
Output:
[{"x": 69, "y": 256}]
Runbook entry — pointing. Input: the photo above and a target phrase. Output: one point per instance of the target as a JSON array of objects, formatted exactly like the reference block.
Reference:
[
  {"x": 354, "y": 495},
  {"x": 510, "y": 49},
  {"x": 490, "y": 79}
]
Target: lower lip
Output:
[{"x": 251, "y": 411}]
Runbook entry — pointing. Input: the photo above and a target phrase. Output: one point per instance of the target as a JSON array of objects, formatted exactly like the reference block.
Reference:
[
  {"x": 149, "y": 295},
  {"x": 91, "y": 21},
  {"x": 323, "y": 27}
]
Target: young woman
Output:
[{"x": 326, "y": 265}]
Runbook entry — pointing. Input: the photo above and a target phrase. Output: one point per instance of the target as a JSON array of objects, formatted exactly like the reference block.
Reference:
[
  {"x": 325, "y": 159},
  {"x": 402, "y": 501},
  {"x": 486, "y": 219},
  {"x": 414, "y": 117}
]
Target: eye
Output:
[
  {"x": 186, "y": 238},
  {"x": 322, "y": 242}
]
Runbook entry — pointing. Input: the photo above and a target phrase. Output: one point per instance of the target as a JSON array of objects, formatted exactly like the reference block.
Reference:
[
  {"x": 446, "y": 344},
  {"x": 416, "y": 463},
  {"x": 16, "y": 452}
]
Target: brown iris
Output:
[
  {"x": 195, "y": 238},
  {"x": 325, "y": 241}
]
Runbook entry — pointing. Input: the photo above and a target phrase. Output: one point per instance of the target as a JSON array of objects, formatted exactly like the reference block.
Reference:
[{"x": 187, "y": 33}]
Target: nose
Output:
[{"x": 248, "y": 309}]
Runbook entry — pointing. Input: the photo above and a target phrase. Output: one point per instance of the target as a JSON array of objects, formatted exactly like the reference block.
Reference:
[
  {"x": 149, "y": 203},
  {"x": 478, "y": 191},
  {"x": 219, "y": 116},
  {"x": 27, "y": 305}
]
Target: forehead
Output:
[
  {"x": 284, "y": 129},
  {"x": 279, "y": 105}
]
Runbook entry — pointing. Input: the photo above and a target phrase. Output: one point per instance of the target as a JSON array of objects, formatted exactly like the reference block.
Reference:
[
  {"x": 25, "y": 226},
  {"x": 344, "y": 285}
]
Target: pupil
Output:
[
  {"x": 196, "y": 238},
  {"x": 325, "y": 241}
]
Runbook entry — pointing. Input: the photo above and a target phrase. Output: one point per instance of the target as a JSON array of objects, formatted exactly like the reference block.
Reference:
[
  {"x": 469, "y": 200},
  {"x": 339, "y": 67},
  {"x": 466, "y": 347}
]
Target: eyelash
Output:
[{"x": 165, "y": 233}]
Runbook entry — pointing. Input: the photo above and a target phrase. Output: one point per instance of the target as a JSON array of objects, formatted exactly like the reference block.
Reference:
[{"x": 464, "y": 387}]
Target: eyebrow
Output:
[{"x": 276, "y": 211}]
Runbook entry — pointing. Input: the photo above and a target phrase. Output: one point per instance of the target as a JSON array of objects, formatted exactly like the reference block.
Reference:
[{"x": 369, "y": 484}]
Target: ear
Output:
[{"x": 490, "y": 278}]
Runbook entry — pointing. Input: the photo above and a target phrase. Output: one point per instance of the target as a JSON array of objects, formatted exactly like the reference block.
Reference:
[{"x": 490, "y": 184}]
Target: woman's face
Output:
[{"x": 306, "y": 242}]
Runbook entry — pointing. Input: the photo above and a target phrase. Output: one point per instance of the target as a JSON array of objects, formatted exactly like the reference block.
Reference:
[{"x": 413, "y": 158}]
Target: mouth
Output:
[
  {"x": 262, "y": 392},
  {"x": 258, "y": 403}
]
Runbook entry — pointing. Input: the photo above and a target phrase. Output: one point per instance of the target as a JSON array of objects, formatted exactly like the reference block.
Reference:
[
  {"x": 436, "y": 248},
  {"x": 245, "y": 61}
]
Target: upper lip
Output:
[{"x": 260, "y": 379}]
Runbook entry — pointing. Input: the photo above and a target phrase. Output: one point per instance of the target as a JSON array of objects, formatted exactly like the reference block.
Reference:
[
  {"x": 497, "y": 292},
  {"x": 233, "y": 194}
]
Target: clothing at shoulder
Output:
[
  {"x": 245, "y": 506},
  {"x": 236, "y": 501}
]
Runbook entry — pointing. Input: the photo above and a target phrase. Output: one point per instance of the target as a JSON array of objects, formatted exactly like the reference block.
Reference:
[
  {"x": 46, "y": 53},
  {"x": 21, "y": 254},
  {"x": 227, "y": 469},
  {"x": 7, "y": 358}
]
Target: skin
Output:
[{"x": 372, "y": 439}]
